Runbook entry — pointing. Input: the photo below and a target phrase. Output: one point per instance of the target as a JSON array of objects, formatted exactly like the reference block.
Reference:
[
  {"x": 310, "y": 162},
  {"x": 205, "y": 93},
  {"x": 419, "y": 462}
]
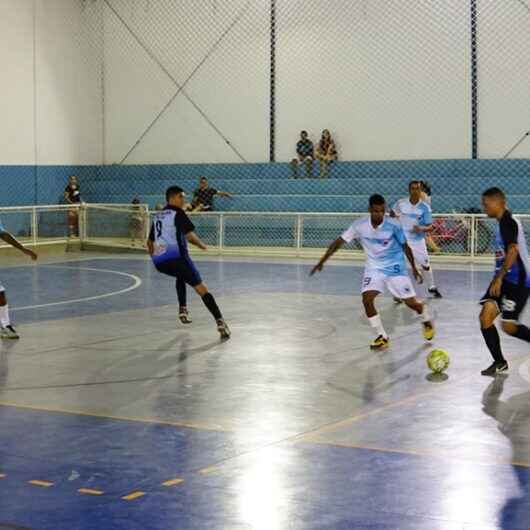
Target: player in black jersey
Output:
[
  {"x": 508, "y": 291},
  {"x": 168, "y": 241}
]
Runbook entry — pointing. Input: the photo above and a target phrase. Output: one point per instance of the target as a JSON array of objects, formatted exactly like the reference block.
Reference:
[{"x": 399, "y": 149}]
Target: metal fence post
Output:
[
  {"x": 221, "y": 231},
  {"x": 299, "y": 226},
  {"x": 34, "y": 227},
  {"x": 473, "y": 235}
]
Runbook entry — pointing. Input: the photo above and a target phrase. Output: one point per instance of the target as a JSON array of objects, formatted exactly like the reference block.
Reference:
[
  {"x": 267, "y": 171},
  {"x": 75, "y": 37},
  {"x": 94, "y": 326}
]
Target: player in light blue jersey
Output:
[
  {"x": 385, "y": 246},
  {"x": 7, "y": 331},
  {"x": 415, "y": 216}
]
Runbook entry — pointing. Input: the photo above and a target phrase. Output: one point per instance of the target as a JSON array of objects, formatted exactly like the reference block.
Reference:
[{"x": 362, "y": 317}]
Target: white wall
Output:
[
  {"x": 503, "y": 78},
  {"x": 228, "y": 91},
  {"x": 390, "y": 78},
  {"x": 63, "y": 99}
]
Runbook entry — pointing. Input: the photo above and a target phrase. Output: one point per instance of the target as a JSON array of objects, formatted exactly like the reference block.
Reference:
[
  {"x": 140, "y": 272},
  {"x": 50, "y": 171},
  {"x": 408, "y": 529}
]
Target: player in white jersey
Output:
[
  {"x": 385, "y": 246},
  {"x": 7, "y": 331},
  {"x": 415, "y": 217}
]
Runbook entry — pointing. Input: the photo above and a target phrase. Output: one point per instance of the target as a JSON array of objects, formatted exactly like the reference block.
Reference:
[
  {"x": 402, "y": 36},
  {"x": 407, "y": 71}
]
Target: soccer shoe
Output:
[
  {"x": 184, "y": 317},
  {"x": 497, "y": 367},
  {"x": 223, "y": 329},
  {"x": 428, "y": 331},
  {"x": 380, "y": 343},
  {"x": 9, "y": 332},
  {"x": 435, "y": 293}
]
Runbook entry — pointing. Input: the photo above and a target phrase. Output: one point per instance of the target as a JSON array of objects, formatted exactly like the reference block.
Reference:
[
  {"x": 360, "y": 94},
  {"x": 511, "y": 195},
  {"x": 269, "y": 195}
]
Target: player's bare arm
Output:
[
  {"x": 423, "y": 229},
  {"x": 417, "y": 274},
  {"x": 10, "y": 240},
  {"x": 193, "y": 238},
  {"x": 509, "y": 260},
  {"x": 336, "y": 245},
  {"x": 224, "y": 194}
]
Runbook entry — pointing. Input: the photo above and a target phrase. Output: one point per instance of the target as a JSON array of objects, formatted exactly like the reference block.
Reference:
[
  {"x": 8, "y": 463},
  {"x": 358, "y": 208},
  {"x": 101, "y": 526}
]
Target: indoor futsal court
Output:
[{"x": 264, "y": 265}]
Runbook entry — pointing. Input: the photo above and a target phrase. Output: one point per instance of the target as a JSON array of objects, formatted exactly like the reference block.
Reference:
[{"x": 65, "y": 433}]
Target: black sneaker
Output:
[
  {"x": 497, "y": 367},
  {"x": 184, "y": 316},
  {"x": 435, "y": 293}
]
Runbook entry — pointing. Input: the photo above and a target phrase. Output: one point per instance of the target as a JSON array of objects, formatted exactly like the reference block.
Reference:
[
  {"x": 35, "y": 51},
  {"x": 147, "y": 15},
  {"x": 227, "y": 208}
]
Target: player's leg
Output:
[
  {"x": 372, "y": 286},
  {"x": 513, "y": 302},
  {"x": 192, "y": 277},
  {"x": 401, "y": 287},
  {"x": 182, "y": 299},
  {"x": 7, "y": 331},
  {"x": 421, "y": 257},
  {"x": 489, "y": 312}
]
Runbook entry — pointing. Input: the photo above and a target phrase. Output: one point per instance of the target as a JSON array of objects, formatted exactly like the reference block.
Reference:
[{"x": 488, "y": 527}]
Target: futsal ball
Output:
[{"x": 438, "y": 361}]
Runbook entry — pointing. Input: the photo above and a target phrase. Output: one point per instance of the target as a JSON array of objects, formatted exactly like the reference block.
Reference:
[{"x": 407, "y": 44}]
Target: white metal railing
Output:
[{"x": 456, "y": 235}]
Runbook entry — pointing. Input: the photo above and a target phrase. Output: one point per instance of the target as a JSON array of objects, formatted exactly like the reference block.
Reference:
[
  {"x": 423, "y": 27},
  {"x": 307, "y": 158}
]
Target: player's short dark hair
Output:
[
  {"x": 376, "y": 200},
  {"x": 203, "y": 178},
  {"x": 172, "y": 191},
  {"x": 415, "y": 182},
  {"x": 494, "y": 192},
  {"x": 303, "y": 132}
]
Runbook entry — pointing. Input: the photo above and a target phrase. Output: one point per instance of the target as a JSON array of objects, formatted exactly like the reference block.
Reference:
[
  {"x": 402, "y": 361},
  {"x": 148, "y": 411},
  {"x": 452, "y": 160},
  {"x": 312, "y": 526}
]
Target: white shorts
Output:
[
  {"x": 419, "y": 251},
  {"x": 399, "y": 286}
]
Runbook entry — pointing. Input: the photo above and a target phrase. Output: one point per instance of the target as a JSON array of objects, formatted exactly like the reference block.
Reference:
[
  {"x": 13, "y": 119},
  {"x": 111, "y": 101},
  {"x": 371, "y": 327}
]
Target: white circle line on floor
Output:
[{"x": 136, "y": 283}]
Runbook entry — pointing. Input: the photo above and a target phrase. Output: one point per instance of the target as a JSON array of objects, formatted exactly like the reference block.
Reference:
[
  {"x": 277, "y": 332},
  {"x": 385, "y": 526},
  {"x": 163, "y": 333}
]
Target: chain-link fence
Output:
[{"x": 151, "y": 93}]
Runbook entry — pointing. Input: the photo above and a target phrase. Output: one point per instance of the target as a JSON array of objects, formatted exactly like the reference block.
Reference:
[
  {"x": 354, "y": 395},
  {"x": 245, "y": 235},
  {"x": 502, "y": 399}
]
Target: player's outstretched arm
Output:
[
  {"x": 338, "y": 243},
  {"x": 10, "y": 240},
  {"x": 417, "y": 274},
  {"x": 193, "y": 238},
  {"x": 224, "y": 194},
  {"x": 423, "y": 228}
]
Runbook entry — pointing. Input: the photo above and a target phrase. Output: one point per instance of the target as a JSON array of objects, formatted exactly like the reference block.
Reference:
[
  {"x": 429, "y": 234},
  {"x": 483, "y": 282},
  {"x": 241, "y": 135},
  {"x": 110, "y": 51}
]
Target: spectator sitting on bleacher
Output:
[
  {"x": 203, "y": 197},
  {"x": 326, "y": 152},
  {"x": 306, "y": 154}
]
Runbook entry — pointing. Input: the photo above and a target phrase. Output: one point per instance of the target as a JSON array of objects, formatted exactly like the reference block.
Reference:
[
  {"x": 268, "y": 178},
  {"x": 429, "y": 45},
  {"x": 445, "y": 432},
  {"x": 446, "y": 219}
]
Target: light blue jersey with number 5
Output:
[{"x": 383, "y": 245}]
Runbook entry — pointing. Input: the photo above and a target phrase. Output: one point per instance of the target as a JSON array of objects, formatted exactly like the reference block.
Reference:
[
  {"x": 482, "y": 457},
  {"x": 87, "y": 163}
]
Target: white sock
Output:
[
  {"x": 376, "y": 323},
  {"x": 430, "y": 278},
  {"x": 4, "y": 316},
  {"x": 425, "y": 316}
]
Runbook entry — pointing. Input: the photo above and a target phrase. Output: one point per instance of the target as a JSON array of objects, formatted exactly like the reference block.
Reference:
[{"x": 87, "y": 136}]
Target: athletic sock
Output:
[
  {"x": 522, "y": 333},
  {"x": 430, "y": 278},
  {"x": 493, "y": 342},
  {"x": 376, "y": 323},
  {"x": 210, "y": 303},
  {"x": 181, "y": 293},
  {"x": 4, "y": 316},
  {"x": 425, "y": 314}
]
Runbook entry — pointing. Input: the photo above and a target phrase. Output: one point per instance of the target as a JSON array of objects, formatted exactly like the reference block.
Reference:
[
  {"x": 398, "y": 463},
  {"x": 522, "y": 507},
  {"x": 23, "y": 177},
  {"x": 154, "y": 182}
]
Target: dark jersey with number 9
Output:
[{"x": 168, "y": 234}]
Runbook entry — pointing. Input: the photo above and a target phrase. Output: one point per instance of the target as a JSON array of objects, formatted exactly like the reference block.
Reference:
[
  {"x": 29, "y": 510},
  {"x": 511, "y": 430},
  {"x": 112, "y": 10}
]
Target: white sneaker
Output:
[
  {"x": 9, "y": 332},
  {"x": 223, "y": 329}
]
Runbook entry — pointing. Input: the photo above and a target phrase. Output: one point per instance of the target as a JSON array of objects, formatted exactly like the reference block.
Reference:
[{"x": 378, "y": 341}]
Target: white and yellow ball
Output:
[{"x": 438, "y": 361}]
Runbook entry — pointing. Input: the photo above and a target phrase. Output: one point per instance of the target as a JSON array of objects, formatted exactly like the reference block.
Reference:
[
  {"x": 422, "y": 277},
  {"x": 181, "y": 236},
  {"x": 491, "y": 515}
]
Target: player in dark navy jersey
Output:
[
  {"x": 168, "y": 241},
  {"x": 508, "y": 291}
]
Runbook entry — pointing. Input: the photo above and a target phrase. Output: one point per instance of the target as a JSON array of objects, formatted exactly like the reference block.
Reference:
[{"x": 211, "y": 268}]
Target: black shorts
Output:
[
  {"x": 182, "y": 268},
  {"x": 511, "y": 301}
]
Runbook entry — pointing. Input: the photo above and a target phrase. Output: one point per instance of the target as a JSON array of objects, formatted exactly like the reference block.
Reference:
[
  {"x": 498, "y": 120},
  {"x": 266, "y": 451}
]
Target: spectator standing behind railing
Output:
[
  {"x": 306, "y": 154},
  {"x": 137, "y": 223},
  {"x": 72, "y": 195},
  {"x": 326, "y": 152},
  {"x": 203, "y": 197}
]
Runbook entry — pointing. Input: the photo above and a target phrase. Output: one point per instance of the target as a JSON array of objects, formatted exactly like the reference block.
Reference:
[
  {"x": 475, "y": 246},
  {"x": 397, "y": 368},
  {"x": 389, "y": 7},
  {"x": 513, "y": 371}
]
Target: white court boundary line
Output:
[{"x": 136, "y": 283}]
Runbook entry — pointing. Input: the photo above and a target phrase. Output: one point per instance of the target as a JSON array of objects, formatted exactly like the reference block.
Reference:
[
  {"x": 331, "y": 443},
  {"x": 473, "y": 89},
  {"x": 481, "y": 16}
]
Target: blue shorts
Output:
[{"x": 183, "y": 269}]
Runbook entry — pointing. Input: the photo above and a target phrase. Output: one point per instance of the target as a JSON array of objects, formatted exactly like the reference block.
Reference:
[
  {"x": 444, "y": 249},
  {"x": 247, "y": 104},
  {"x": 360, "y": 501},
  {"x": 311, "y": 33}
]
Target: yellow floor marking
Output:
[
  {"x": 207, "y": 470},
  {"x": 426, "y": 453},
  {"x": 134, "y": 495},
  {"x": 88, "y": 491},
  {"x": 41, "y": 483},
  {"x": 188, "y": 425},
  {"x": 172, "y": 482}
]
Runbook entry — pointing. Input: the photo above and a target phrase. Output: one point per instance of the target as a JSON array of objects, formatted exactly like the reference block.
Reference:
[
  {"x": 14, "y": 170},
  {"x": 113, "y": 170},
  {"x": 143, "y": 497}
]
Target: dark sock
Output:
[
  {"x": 209, "y": 302},
  {"x": 522, "y": 333},
  {"x": 181, "y": 292},
  {"x": 493, "y": 342}
]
